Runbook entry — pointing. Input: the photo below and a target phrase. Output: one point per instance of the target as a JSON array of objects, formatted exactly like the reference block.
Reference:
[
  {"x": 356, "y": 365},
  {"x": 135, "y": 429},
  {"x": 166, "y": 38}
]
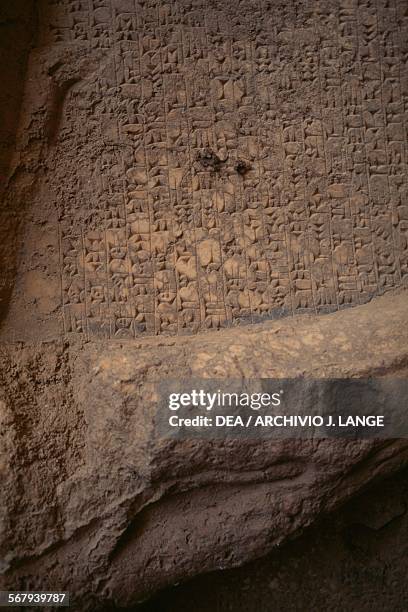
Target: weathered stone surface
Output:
[
  {"x": 17, "y": 33},
  {"x": 178, "y": 168},
  {"x": 354, "y": 559},
  {"x": 191, "y": 168},
  {"x": 94, "y": 502}
]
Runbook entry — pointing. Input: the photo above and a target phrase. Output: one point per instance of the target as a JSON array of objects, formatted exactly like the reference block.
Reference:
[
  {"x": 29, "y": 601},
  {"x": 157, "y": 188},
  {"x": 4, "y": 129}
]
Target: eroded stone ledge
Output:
[{"x": 95, "y": 503}]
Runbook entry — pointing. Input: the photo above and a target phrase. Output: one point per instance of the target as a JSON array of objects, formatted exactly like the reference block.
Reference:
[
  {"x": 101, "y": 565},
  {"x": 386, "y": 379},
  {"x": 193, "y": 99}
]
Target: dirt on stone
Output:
[{"x": 190, "y": 189}]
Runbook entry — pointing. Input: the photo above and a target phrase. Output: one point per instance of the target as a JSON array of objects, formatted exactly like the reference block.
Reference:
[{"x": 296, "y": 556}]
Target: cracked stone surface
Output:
[
  {"x": 189, "y": 189},
  {"x": 354, "y": 559},
  {"x": 93, "y": 501}
]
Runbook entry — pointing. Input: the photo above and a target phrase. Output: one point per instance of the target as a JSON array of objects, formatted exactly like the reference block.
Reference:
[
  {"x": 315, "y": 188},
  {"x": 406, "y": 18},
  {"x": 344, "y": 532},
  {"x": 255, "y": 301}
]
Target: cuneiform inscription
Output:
[{"x": 230, "y": 161}]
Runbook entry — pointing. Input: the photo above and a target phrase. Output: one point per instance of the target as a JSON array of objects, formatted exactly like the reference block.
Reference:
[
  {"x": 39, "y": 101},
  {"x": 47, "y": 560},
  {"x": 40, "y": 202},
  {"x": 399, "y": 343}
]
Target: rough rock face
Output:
[
  {"x": 18, "y": 25},
  {"x": 180, "y": 169},
  {"x": 93, "y": 501},
  {"x": 355, "y": 559},
  {"x": 17, "y": 34},
  {"x": 185, "y": 167}
]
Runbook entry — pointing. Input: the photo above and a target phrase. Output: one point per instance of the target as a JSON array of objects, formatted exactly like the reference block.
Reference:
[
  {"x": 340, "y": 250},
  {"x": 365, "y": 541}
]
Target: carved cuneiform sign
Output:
[{"x": 229, "y": 161}]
